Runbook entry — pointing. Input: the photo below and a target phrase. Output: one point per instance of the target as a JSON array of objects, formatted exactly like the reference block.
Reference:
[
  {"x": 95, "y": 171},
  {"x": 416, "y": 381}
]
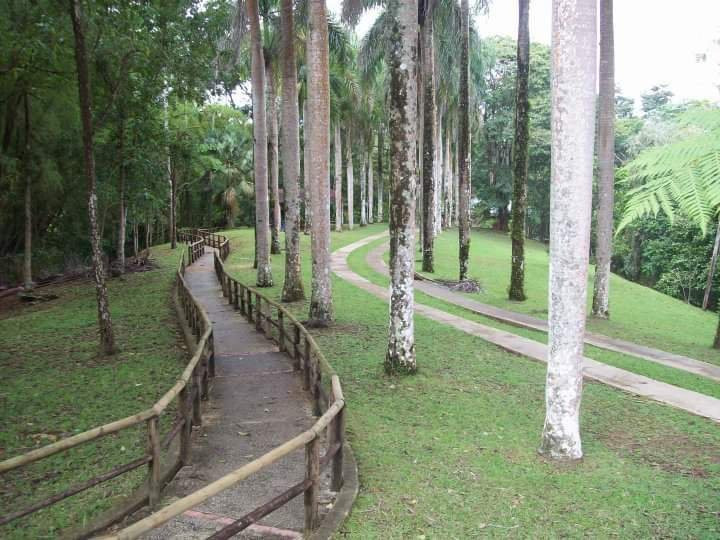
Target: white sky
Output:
[{"x": 656, "y": 41}]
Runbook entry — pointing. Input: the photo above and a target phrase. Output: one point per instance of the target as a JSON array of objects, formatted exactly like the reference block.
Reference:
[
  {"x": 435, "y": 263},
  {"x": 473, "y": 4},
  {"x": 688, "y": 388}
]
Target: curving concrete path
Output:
[
  {"x": 698, "y": 367},
  {"x": 680, "y": 398}
]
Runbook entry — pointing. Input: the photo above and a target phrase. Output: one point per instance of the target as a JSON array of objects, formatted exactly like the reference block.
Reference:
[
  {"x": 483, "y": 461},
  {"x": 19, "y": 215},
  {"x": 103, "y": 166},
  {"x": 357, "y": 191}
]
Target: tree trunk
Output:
[
  {"x": 338, "y": 179},
  {"x": 306, "y": 170},
  {"x": 273, "y": 160},
  {"x": 400, "y": 355},
  {"x": 172, "y": 225},
  {"x": 363, "y": 190},
  {"x": 318, "y": 63},
  {"x": 350, "y": 180},
  {"x": 428, "y": 143},
  {"x": 438, "y": 191},
  {"x": 122, "y": 217},
  {"x": 456, "y": 181},
  {"x": 371, "y": 181},
  {"x": 262, "y": 210},
  {"x": 27, "y": 249},
  {"x": 574, "y": 64},
  {"x": 447, "y": 179},
  {"x": 381, "y": 187},
  {"x": 713, "y": 266},
  {"x": 173, "y": 207},
  {"x": 606, "y": 163},
  {"x": 464, "y": 145},
  {"x": 136, "y": 239},
  {"x": 520, "y": 156},
  {"x": 107, "y": 336}
]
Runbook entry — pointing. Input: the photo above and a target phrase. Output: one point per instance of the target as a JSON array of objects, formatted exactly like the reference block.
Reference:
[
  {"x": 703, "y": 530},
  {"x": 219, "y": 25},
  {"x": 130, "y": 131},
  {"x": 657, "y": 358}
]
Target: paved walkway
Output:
[
  {"x": 256, "y": 404},
  {"x": 680, "y": 398},
  {"x": 698, "y": 367}
]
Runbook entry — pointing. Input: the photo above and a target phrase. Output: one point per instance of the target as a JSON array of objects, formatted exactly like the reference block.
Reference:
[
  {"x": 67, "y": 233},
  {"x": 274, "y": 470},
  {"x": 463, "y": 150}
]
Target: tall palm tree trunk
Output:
[
  {"x": 262, "y": 210},
  {"x": 350, "y": 180},
  {"x": 107, "y": 335},
  {"x": 293, "y": 285},
  {"x": 381, "y": 187},
  {"x": 400, "y": 355},
  {"x": 338, "y": 179},
  {"x": 516, "y": 290},
  {"x": 429, "y": 140},
  {"x": 318, "y": 62},
  {"x": 439, "y": 160},
  {"x": 363, "y": 190},
  {"x": 273, "y": 160},
  {"x": 27, "y": 248},
  {"x": 447, "y": 179},
  {"x": 371, "y": 181},
  {"x": 606, "y": 163},
  {"x": 122, "y": 210},
  {"x": 464, "y": 144},
  {"x": 574, "y": 62}
]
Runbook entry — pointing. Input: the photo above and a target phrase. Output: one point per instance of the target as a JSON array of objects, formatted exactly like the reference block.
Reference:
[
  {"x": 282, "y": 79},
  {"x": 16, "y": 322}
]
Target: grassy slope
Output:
[
  {"x": 450, "y": 453},
  {"x": 637, "y": 313},
  {"x": 55, "y": 385}
]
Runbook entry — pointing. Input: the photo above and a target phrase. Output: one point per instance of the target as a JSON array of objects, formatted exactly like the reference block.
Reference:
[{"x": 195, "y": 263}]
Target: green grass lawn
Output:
[
  {"x": 55, "y": 385},
  {"x": 638, "y": 313},
  {"x": 451, "y": 452}
]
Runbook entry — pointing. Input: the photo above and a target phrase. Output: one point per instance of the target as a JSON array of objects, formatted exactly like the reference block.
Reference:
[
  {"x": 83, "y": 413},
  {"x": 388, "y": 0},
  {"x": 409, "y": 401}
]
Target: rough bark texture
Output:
[
  {"x": 574, "y": 49},
  {"x": 447, "y": 179},
  {"x": 428, "y": 145},
  {"x": 293, "y": 286},
  {"x": 168, "y": 174},
  {"x": 400, "y": 355},
  {"x": 713, "y": 267},
  {"x": 338, "y": 179},
  {"x": 363, "y": 190},
  {"x": 306, "y": 170},
  {"x": 606, "y": 163},
  {"x": 107, "y": 336},
  {"x": 318, "y": 62},
  {"x": 381, "y": 187},
  {"x": 520, "y": 156},
  {"x": 371, "y": 182},
  {"x": 464, "y": 144},
  {"x": 122, "y": 210},
  {"x": 262, "y": 210},
  {"x": 350, "y": 180},
  {"x": 437, "y": 178},
  {"x": 273, "y": 161},
  {"x": 27, "y": 249}
]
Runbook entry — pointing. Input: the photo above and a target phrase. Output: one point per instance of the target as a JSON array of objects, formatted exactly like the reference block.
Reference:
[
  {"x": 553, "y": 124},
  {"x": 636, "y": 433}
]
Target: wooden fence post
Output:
[
  {"x": 338, "y": 436},
  {"x": 186, "y": 432},
  {"x": 249, "y": 306},
  {"x": 258, "y": 312},
  {"x": 211, "y": 352},
  {"x": 312, "y": 473},
  {"x": 306, "y": 365},
  {"x": 235, "y": 286},
  {"x": 281, "y": 331},
  {"x": 196, "y": 412},
  {"x": 154, "y": 465},
  {"x": 296, "y": 347}
]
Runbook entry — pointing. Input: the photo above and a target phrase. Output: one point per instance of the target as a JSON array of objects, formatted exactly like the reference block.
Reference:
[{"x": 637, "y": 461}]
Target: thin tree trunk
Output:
[
  {"x": 713, "y": 267},
  {"x": 136, "y": 239},
  {"x": 437, "y": 178},
  {"x": 107, "y": 336},
  {"x": 27, "y": 249},
  {"x": 173, "y": 206},
  {"x": 306, "y": 170},
  {"x": 350, "y": 180},
  {"x": 429, "y": 140},
  {"x": 273, "y": 159},
  {"x": 318, "y": 62},
  {"x": 371, "y": 181},
  {"x": 400, "y": 355},
  {"x": 338, "y": 179},
  {"x": 122, "y": 217},
  {"x": 606, "y": 163},
  {"x": 363, "y": 190},
  {"x": 262, "y": 210},
  {"x": 516, "y": 290},
  {"x": 464, "y": 145},
  {"x": 447, "y": 179},
  {"x": 574, "y": 74},
  {"x": 172, "y": 225},
  {"x": 381, "y": 187}
]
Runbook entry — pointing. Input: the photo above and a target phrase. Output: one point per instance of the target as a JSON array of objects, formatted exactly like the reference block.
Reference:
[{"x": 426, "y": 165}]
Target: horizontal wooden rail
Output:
[
  {"x": 187, "y": 390},
  {"x": 311, "y": 361}
]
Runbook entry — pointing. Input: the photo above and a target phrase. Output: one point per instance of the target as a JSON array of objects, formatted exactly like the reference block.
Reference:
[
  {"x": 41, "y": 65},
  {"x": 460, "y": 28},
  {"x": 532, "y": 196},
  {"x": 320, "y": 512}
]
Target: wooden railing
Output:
[
  {"x": 191, "y": 387},
  {"x": 197, "y": 239},
  {"x": 280, "y": 325}
]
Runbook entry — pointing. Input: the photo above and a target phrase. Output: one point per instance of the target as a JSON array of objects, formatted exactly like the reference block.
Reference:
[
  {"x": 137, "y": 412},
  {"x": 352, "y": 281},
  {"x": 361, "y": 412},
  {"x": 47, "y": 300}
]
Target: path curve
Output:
[
  {"x": 677, "y": 361},
  {"x": 680, "y": 398}
]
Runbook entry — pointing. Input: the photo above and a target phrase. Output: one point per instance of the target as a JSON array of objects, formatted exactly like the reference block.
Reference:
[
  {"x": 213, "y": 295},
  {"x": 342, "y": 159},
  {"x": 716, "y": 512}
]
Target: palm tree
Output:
[
  {"x": 107, "y": 335},
  {"x": 574, "y": 77},
  {"x": 262, "y": 211},
  {"x": 464, "y": 143},
  {"x": 520, "y": 156},
  {"x": 292, "y": 287},
  {"x": 350, "y": 179},
  {"x": 273, "y": 154},
  {"x": 318, "y": 100},
  {"x": 429, "y": 139},
  {"x": 338, "y": 177},
  {"x": 606, "y": 163},
  {"x": 400, "y": 355}
]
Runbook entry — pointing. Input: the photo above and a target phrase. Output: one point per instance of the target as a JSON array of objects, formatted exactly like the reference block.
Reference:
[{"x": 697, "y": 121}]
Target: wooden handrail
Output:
[{"x": 198, "y": 319}]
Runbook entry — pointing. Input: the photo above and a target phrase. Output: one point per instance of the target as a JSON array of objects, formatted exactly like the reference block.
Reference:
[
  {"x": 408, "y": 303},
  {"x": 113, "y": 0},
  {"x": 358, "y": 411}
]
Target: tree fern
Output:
[{"x": 680, "y": 176}]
